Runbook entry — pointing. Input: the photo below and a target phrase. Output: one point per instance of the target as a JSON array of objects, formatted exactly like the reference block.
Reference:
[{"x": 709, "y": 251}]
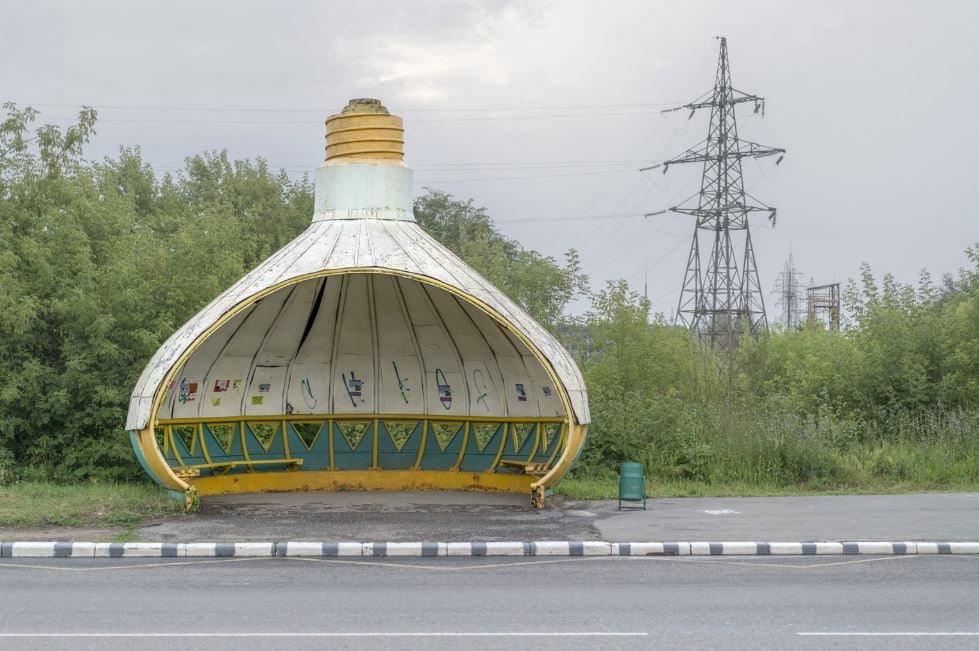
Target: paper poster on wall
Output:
[
  {"x": 187, "y": 396},
  {"x": 353, "y": 384},
  {"x": 444, "y": 389},
  {"x": 188, "y": 391},
  {"x": 354, "y": 387},
  {"x": 224, "y": 387},
  {"x": 447, "y": 392},
  {"x": 265, "y": 392},
  {"x": 521, "y": 392},
  {"x": 546, "y": 394}
]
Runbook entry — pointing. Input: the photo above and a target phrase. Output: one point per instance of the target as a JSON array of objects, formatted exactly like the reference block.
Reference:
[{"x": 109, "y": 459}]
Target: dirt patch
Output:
[
  {"x": 373, "y": 516},
  {"x": 60, "y": 534}
]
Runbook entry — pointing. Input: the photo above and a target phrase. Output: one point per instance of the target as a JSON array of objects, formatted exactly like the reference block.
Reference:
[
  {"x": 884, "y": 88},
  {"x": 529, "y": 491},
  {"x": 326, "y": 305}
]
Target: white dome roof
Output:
[{"x": 344, "y": 246}]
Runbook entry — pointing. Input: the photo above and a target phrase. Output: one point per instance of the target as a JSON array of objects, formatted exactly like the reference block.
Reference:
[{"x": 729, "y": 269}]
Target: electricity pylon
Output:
[
  {"x": 789, "y": 295},
  {"x": 721, "y": 296}
]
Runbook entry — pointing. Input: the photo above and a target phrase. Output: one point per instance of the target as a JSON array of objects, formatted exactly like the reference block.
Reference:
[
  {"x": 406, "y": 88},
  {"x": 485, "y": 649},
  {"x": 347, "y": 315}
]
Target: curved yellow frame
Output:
[{"x": 575, "y": 431}]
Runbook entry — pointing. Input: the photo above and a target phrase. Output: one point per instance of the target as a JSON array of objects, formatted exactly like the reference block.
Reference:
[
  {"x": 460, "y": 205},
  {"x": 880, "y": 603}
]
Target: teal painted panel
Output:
[
  {"x": 169, "y": 454},
  {"x": 553, "y": 431},
  {"x": 217, "y": 452},
  {"x": 188, "y": 458},
  {"x": 511, "y": 451},
  {"x": 388, "y": 455},
  {"x": 435, "y": 458},
  {"x": 253, "y": 435},
  {"x": 317, "y": 457},
  {"x": 142, "y": 459},
  {"x": 255, "y": 432},
  {"x": 476, "y": 461},
  {"x": 353, "y": 458}
]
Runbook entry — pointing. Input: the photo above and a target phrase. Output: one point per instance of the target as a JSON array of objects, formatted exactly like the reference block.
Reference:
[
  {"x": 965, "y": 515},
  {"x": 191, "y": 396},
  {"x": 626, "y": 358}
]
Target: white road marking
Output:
[
  {"x": 760, "y": 562},
  {"x": 380, "y": 562},
  {"x": 338, "y": 634},
  {"x": 140, "y": 566},
  {"x": 722, "y": 512},
  {"x": 889, "y": 633},
  {"x": 434, "y": 565}
]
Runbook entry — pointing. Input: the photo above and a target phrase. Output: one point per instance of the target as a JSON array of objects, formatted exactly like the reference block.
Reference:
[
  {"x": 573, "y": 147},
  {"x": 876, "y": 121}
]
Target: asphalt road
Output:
[
  {"x": 930, "y": 516},
  {"x": 608, "y": 603},
  {"x": 488, "y": 516}
]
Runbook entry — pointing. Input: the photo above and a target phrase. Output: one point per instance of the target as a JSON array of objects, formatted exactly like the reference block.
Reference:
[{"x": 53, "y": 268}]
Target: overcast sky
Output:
[{"x": 546, "y": 110}]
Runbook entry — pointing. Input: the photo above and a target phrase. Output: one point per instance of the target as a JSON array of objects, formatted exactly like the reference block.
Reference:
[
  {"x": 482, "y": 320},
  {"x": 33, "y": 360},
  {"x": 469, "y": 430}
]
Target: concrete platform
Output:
[{"x": 503, "y": 517}]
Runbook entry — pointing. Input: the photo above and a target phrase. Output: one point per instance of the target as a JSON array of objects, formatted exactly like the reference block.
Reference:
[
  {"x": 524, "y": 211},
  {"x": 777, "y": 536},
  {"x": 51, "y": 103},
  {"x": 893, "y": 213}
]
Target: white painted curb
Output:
[{"x": 439, "y": 549}]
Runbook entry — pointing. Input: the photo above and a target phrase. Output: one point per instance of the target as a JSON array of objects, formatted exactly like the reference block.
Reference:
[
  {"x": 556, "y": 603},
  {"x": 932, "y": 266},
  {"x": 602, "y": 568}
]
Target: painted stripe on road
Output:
[
  {"x": 339, "y": 634},
  {"x": 889, "y": 633}
]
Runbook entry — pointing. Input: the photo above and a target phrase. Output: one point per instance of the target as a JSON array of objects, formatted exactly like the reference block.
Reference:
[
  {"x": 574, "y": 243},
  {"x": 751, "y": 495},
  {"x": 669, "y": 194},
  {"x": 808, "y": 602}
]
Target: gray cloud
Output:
[{"x": 873, "y": 100}]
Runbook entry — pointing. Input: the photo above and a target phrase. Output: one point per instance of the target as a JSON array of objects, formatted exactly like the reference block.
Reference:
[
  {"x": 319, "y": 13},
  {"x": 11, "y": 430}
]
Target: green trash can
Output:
[{"x": 632, "y": 484}]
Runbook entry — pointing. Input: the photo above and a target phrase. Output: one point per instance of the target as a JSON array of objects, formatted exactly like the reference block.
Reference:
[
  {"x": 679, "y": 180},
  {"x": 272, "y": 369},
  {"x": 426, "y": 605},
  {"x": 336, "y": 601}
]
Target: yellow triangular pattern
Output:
[
  {"x": 445, "y": 433},
  {"x": 551, "y": 434},
  {"x": 264, "y": 433},
  {"x": 224, "y": 434},
  {"x": 187, "y": 435},
  {"x": 307, "y": 432},
  {"x": 353, "y": 432},
  {"x": 484, "y": 433},
  {"x": 400, "y": 432},
  {"x": 521, "y": 432}
]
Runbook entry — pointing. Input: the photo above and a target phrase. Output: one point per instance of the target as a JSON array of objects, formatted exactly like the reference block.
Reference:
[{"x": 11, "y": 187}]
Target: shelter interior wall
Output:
[{"x": 362, "y": 344}]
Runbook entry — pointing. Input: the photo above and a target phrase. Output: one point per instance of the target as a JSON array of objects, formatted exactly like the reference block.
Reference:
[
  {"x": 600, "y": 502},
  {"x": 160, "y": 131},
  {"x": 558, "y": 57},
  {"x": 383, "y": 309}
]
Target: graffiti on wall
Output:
[
  {"x": 188, "y": 391},
  {"x": 307, "y": 390},
  {"x": 482, "y": 389},
  {"x": 402, "y": 382},
  {"x": 354, "y": 387},
  {"x": 445, "y": 390}
]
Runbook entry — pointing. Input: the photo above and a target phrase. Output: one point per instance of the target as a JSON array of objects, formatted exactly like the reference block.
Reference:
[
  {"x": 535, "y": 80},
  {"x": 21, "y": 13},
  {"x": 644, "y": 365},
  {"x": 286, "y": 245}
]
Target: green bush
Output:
[{"x": 101, "y": 262}]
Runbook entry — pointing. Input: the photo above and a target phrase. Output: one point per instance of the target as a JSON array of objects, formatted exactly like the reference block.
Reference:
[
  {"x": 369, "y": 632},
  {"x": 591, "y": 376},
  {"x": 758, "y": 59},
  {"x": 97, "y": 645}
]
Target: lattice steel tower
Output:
[
  {"x": 788, "y": 294},
  {"x": 721, "y": 296}
]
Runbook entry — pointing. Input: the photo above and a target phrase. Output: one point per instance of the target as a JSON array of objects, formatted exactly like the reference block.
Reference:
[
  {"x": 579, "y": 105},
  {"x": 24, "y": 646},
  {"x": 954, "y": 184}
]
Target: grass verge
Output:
[
  {"x": 600, "y": 488},
  {"x": 109, "y": 505}
]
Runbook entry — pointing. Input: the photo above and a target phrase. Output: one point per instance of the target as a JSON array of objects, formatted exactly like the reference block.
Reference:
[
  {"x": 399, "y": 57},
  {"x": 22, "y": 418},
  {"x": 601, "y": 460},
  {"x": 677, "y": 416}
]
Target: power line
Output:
[
  {"x": 457, "y": 167},
  {"x": 540, "y": 176},
  {"x": 566, "y": 219},
  {"x": 325, "y": 111},
  {"x": 482, "y": 118},
  {"x": 635, "y": 244}
]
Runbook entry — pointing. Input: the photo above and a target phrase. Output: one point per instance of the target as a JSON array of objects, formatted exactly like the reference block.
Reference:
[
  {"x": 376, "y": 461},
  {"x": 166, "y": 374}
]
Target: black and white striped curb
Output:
[{"x": 435, "y": 549}]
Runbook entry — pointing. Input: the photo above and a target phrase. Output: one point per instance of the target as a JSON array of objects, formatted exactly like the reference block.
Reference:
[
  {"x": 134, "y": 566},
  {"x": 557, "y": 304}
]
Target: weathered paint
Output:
[
  {"x": 363, "y": 316},
  {"x": 340, "y": 480}
]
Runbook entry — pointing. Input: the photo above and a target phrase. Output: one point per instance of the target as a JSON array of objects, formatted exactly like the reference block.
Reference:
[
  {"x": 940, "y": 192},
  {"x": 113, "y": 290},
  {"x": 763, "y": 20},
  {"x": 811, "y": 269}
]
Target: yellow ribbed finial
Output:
[{"x": 365, "y": 131}]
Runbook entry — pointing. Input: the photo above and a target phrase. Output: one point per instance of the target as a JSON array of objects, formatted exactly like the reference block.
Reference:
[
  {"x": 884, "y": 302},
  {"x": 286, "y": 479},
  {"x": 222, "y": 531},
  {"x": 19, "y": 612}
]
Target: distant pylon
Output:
[
  {"x": 721, "y": 295},
  {"x": 788, "y": 292}
]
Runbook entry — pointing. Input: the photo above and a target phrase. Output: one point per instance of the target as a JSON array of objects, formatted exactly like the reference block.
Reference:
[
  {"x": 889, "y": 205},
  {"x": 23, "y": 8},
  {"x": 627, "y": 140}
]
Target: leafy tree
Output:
[
  {"x": 537, "y": 283},
  {"x": 101, "y": 262}
]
